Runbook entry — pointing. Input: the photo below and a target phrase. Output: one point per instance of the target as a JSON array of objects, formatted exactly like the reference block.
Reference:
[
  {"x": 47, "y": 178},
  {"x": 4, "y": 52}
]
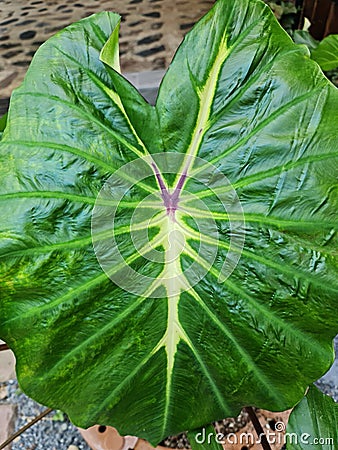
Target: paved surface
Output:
[{"x": 151, "y": 30}]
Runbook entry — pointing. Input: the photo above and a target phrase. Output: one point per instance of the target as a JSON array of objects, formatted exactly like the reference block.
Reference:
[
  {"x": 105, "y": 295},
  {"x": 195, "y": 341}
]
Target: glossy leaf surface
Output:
[
  {"x": 313, "y": 423},
  {"x": 161, "y": 267}
]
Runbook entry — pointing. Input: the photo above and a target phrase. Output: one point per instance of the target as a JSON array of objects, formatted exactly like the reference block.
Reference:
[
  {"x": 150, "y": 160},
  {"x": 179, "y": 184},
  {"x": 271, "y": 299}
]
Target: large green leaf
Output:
[
  {"x": 313, "y": 423},
  {"x": 163, "y": 266}
]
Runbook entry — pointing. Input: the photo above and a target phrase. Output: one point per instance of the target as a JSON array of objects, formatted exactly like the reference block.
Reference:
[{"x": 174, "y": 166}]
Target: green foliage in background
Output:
[{"x": 313, "y": 423}]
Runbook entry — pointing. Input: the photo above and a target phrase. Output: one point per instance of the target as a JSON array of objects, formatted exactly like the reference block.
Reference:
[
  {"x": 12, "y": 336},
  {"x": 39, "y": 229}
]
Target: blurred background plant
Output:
[{"x": 285, "y": 12}]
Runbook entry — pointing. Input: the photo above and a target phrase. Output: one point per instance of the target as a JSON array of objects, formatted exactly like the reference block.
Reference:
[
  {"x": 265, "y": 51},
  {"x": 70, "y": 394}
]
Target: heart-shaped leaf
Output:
[
  {"x": 163, "y": 266},
  {"x": 313, "y": 423}
]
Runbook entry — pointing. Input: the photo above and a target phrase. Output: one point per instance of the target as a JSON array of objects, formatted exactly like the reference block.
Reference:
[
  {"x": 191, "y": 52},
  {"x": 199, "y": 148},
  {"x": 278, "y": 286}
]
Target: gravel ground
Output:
[{"x": 55, "y": 432}]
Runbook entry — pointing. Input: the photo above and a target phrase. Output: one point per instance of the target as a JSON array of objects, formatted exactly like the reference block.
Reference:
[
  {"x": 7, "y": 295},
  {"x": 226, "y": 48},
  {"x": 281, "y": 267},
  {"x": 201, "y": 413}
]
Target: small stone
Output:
[
  {"x": 3, "y": 392},
  {"x": 73, "y": 447},
  {"x": 7, "y": 421},
  {"x": 7, "y": 367},
  {"x": 64, "y": 426}
]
